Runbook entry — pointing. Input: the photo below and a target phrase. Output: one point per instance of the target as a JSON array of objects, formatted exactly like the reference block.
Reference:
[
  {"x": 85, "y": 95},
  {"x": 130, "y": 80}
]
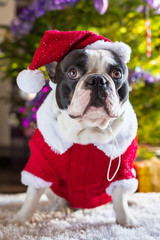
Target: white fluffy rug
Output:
[{"x": 98, "y": 223}]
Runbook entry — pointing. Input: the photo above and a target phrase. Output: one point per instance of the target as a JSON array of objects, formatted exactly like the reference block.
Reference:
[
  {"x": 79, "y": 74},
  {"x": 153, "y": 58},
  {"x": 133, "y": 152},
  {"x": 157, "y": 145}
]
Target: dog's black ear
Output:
[
  {"x": 51, "y": 70},
  {"x": 123, "y": 91}
]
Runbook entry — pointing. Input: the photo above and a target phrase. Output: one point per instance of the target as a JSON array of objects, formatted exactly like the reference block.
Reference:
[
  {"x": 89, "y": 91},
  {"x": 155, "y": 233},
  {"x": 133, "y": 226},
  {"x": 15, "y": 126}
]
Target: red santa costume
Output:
[{"x": 85, "y": 175}]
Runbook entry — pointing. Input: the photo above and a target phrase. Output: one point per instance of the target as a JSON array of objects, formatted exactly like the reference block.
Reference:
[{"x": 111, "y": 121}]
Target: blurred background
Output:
[{"x": 22, "y": 25}]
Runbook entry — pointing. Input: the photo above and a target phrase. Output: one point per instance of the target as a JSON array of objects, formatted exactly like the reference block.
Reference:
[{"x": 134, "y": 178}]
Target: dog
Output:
[{"x": 86, "y": 130}]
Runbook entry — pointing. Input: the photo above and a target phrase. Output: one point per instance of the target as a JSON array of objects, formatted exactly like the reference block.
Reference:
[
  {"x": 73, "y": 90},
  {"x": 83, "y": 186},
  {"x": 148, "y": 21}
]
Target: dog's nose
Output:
[{"x": 96, "y": 80}]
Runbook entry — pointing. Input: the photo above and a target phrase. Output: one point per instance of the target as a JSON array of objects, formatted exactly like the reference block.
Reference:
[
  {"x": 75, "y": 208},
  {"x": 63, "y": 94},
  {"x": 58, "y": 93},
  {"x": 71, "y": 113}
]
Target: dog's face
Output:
[{"x": 92, "y": 85}]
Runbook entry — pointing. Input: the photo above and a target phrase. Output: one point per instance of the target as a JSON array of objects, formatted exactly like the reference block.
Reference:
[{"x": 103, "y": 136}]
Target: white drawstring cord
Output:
[{"x": 110, "y": 162}]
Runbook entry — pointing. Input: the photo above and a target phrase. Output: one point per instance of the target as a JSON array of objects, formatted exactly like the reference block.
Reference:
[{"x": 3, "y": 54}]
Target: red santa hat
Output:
[{"x": 55, "y": 45}]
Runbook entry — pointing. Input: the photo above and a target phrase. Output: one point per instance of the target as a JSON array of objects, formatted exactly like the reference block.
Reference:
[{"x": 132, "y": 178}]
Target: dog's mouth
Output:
[
  {"x": 98, "y": 102},
  {"x": 96, "y": 108},
  {"x": 95, "y": 102}
]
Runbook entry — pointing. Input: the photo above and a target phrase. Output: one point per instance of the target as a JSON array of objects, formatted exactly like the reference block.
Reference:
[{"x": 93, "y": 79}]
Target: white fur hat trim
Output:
[
  {"x": 120, "y": 48},
  {"x": 31, "y": 81}
]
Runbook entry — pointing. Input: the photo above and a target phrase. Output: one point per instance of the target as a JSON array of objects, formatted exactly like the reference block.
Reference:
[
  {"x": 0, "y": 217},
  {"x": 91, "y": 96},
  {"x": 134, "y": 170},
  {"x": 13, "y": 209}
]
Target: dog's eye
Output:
[
  {"x": 73, "y": 74},
  {"x": 116, "y": 74}
]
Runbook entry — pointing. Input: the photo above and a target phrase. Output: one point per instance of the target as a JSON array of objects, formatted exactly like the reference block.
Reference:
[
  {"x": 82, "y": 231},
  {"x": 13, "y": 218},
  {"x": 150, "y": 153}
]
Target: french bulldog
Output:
[{"x": 90, "y": 109}]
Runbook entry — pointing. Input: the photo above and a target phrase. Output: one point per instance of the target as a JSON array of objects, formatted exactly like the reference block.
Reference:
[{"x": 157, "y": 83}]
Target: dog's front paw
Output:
[{"x": 127, "y": 220}]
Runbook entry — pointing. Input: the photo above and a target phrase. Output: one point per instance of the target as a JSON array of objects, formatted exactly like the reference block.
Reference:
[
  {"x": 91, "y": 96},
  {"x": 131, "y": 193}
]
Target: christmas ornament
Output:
[
  {"x": 148, "y": 37},
  {"x": 101, "y": 6}
]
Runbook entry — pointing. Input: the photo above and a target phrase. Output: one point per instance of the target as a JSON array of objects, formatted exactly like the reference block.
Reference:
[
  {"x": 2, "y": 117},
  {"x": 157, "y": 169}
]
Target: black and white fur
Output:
[{"x": 81, "y": 108}]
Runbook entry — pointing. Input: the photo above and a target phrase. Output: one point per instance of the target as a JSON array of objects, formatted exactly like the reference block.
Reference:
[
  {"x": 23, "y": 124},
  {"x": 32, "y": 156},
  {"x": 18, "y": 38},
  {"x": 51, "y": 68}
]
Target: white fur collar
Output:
[
  {"x": 48, "y": 126},
  {"x": 57, "y": 140},
  {"x": 124, "y": 137}
]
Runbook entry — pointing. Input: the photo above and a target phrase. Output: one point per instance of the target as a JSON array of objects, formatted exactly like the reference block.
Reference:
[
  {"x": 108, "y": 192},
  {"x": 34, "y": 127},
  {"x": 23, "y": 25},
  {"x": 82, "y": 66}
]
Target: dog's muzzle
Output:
[{"x": 98, "y": 84}]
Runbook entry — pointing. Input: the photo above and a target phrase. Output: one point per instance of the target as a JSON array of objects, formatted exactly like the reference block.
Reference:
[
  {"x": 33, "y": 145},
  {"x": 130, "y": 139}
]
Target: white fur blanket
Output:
[{"x": 98, "y": 223}]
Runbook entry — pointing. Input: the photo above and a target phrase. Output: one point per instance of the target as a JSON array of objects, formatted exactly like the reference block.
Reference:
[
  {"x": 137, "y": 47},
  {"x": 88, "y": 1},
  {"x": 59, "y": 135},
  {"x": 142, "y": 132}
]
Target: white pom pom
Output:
[{"x": 31, "y": 81}]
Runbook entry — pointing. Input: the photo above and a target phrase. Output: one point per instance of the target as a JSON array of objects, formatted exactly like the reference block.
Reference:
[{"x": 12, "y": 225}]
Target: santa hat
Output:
[{"x": 55, "y": 45}]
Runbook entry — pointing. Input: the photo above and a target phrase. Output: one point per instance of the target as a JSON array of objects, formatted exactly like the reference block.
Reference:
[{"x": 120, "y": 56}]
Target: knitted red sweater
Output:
[{"x": 80, "y": 174}]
